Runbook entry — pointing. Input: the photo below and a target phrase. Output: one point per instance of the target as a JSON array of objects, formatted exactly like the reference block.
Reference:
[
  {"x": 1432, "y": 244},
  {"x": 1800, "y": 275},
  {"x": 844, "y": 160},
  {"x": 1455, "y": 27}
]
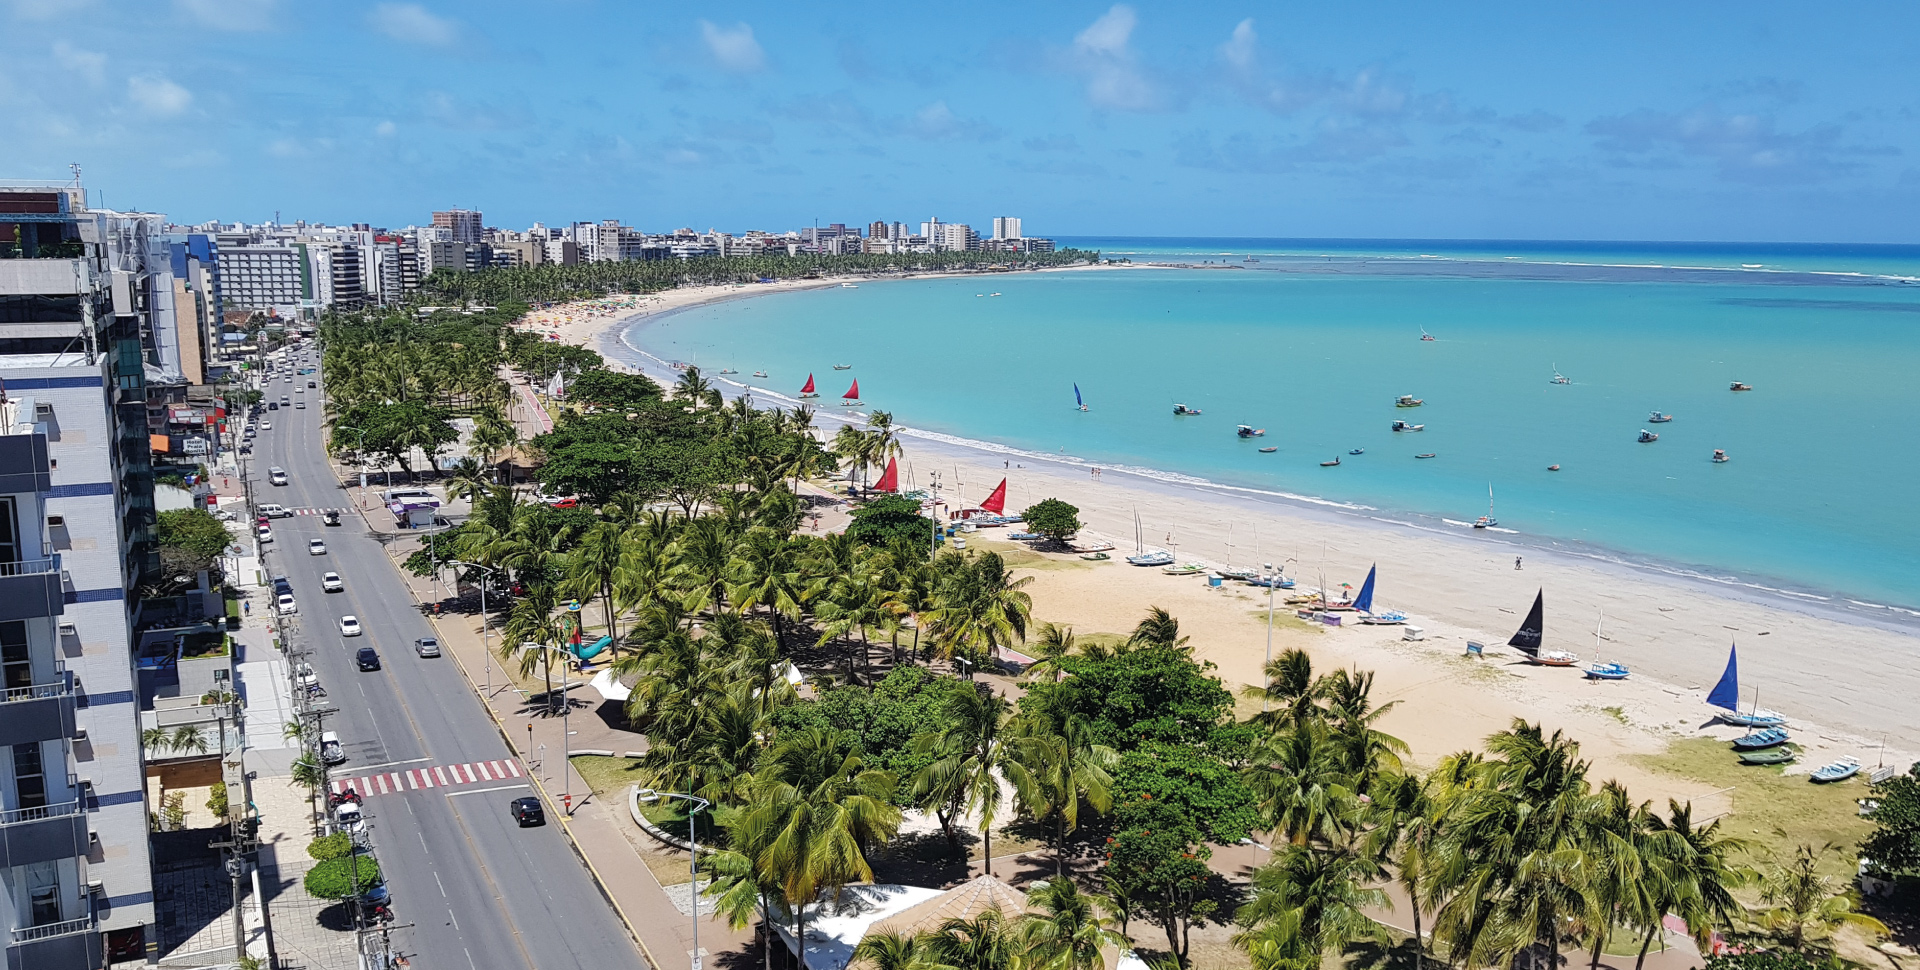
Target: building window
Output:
[
  {"x": 16, "y": 662},
  {"x": 29, "y": 780},
  {"x": 9, "y": 533},
  {"x": 43, "y": 891}
]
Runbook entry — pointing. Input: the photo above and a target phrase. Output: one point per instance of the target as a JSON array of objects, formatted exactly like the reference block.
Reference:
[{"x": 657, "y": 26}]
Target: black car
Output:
[
  {"x": 527, "y": 811},
  {"x": 271, "y": 406},
  {"x": 367, "y": 659}
]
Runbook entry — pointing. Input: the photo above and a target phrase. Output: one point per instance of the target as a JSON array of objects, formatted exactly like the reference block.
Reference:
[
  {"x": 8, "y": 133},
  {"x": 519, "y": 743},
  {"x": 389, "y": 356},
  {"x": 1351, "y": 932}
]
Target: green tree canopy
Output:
[
  {"x": 334, "y": 878},
  {"x": 612, "y": 390},
  {"x": 1207, "y": 791},
  {"x": 1131, "y": 697},
  {"x": 881, "y": 722},
  {"x": 191, "y": 540},
  {"x": 1054, "y": 519},
  {"x": 1894, "y": 845},
  {"x": 886, "y": 518}
]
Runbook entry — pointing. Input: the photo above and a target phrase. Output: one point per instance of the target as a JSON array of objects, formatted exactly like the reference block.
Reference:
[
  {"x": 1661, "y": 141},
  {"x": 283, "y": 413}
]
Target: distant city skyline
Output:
[{"x": 1643, "y": 121}]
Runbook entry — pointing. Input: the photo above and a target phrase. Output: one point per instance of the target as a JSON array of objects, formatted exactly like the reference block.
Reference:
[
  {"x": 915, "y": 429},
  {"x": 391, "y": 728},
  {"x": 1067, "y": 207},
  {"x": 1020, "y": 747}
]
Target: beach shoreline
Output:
[{"x": 1673, "y": 630}]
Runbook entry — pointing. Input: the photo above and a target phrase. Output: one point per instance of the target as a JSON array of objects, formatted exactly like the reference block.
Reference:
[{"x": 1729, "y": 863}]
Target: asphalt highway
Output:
[{"x": 480, "y": 891}]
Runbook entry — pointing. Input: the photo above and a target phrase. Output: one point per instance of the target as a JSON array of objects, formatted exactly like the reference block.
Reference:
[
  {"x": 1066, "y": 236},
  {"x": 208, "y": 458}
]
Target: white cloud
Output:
[
  {"x": 87, "y": 64},
  {"x": 158, "y": 95},
  {"x": 235, "y": 15},
  {"x": 384, "y": 128},
  {"x": 734, "y": 49},
  {"x": 1239, "y": 49},
  {"x": 1102, "y": 53},
  {"x": 414, "y": 24}
]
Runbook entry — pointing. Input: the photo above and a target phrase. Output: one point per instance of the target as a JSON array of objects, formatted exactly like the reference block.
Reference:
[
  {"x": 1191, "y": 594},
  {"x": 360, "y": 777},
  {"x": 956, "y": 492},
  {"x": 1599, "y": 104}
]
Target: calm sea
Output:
[{"x": 1316, "y": 340}]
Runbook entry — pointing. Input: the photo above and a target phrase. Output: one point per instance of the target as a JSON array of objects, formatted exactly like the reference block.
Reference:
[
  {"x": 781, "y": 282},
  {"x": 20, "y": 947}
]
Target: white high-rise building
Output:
[{"x": 1006, "y": 227}]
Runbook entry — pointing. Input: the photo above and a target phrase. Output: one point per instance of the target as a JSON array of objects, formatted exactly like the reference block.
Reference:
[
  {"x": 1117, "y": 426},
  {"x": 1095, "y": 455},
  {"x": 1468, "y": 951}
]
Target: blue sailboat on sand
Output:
[
  {"x": 1364, "y": 603},
  {"x": 1726, "y": 697},
  {"x": 1082, "y": 405}
]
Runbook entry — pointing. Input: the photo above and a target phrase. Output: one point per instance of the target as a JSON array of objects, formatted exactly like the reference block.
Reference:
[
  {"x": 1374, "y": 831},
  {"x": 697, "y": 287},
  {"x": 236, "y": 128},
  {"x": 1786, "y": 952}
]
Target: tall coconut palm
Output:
[
  {"x": 1305, "y": 793},
  {"x": 1291, "y": 694},
  {"x": 692, "y": 387},
  {"x": 702, "y": 554},
  {"x": 985, "y": 942},
  {"x": 854, "y": 603},
  {"x": 1690, "y": 872},
  {"x": 971, "y": 754},
  {"x": 1804, "y": 907},
  {"x": 1619, "y": 879},
  {"x": 534, "y": 631},
  {"x": 1065, "y": 928},
  {"x": 1054, "y": 773},
  {"x": 1158, "y": 628},
  {"x": 741, "y": 887},
  {"x": 765, "y": 573},
  {"x": 592, "y": 566},
  {"x": 981, "y": 607},
  {"x": 1404, "y": 821},
  {"x": 1307, "y": 904},
  {"x": 1051, "y": 649},
  {"x": 892, "y": 951}
]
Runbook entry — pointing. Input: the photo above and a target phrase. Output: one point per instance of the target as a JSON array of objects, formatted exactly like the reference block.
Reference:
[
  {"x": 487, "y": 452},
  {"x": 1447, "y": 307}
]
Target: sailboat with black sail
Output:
[{"x": 1532, "y": 634}]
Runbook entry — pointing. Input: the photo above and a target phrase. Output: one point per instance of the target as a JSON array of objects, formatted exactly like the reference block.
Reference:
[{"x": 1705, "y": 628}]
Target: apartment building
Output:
[
  {"x": 462, "y": 225},
  {"x": 77, "y": 536},
  {"x": 271, "y": 279}
]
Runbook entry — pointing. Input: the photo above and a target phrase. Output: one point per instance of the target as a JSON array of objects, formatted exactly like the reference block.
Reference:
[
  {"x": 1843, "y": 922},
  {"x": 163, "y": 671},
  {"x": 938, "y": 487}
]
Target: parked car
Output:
[
  {"x": 367, "y": 659},
  {"x": 330, "y": 582},
  {"x": 285, "y": 605},
  {"x": 527, "y": 811},
  {"x": 265, "y": 533},
  {"x": 303, "y": 675},
  {"x": 350, "y": 626},
  {"x": 316, "y": 547},
  {"x": 427, "y": 646},
  {"x": 272, "y": 511},
  {"x": 331, "y": 750}
]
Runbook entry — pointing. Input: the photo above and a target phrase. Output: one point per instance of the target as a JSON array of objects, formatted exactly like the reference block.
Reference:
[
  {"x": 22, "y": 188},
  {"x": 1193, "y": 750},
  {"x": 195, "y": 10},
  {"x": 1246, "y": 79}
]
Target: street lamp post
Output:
[
  {"x": 693, "y": 858},
  {"x": 485, "y": 618},
  {"x": 362, "y": 455}
]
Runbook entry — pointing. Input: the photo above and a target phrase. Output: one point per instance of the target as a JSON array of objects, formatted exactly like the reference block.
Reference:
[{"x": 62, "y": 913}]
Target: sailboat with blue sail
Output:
[
  {"x": 1364, "y": 603},
  {"x": 1082, "y": 405},
  {"x": 1726, "y": 696}
]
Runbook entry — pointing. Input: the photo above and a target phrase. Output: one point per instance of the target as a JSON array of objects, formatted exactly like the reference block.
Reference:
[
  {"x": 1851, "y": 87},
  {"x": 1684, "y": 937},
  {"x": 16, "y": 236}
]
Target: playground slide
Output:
[{"x": 588, "y": 651}]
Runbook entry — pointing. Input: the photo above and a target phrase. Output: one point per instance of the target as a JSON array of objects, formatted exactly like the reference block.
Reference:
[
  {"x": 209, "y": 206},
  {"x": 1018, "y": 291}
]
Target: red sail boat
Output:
[
  {"x": 852, "y": 397},
  {"x": 890, "y": 481},
  {"x": 808, "y": 391},
  {"x": 997, "y": 502}
]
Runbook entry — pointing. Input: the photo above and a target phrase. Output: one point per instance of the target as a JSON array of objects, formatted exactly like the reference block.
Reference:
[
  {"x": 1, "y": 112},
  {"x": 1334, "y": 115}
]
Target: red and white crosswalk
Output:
[
  {"x": 437, "y": 776},
  {"x": 316, "y": 511}
]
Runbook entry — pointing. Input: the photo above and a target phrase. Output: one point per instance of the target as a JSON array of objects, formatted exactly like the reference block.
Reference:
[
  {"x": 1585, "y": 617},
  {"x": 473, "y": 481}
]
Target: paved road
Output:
[{"x": 482, "y": 892}]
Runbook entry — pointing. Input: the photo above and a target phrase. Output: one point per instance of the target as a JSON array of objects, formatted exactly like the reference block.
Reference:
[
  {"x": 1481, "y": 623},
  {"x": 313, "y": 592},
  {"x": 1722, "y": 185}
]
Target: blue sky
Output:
[{"x": 1656, "y": 121}]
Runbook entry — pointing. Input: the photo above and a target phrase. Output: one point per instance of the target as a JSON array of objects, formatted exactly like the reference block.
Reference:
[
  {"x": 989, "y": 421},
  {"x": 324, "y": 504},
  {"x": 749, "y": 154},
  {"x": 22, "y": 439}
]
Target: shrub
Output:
[
  {"x": 335, "y": 846},
  {"x": 334, "y": 878},
  {"x": 1054, "y": 519},
  {"x": 217, "y": 800}
]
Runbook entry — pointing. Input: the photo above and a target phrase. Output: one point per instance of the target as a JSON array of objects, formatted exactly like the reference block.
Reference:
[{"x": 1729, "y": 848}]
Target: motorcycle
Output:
[{"x": 343, "y": 797}]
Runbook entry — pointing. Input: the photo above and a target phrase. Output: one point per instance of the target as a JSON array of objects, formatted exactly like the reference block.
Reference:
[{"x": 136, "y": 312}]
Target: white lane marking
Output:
[
  {"x": 443, "y": 886},
  {"x": 482, "y": 791},
  {"x": 513, "y": 769},
  {"x": 484, "y": 775},
  {"x": 440, "y": 772}
]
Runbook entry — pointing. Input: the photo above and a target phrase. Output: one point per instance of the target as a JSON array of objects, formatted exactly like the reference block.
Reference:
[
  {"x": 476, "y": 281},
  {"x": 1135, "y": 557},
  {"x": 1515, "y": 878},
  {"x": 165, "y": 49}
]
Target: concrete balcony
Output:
[
  {"x": 72, "y": 945},
  {"x": 30, "y": 589},
  {"x": 41, "y": 712},
  {"x": 30, "y": 835}
]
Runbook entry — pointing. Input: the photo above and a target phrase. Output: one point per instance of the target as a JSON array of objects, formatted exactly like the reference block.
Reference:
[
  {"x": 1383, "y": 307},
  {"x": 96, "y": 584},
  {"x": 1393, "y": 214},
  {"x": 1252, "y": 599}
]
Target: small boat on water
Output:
[
  {"x": 848, "y": 286},
  {"x": 1404, "y": 426},
  {"x": 1553, "y": 468},
  {"x": 1408, "y": 401},
  {"x": 843, "y": 367},
  {"x": 1559, "y": 378},
  {"x": 1659, "y": 418},
  {"x": 1330, "y": 464},
  {"x": 726, "y": 370},
  {"x": 1763, "y": 738},
  {"x": 1737, "y": 386},
  {"x": 1427, "y": 455},
  {"x": 759, "y": 373},
  {"x": 1077, "y": 402},
  {"x": 1424, "y": 335},
  {"x": 1647, "y": 437},
  {"x": 1487, "y": 521},
  {"x": 1270, "y": 449},
  {"x": 1837, "y": 771},
  {"x": 1768, "y": 756},
  {"x": 1357, "y": 451},
  {"x": 1182, "y": 410},
  {"x": 808, "y": 390},
  {"x": 1247, "y": 431},
  {"x": 1719, "y": 456},
  {"x": 1161, "y": 558},
  {"x": 851, "y": 399}
]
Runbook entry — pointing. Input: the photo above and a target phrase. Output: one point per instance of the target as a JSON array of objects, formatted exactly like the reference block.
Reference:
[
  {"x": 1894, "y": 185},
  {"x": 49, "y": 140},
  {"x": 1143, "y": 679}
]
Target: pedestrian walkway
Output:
[{"x": 437, "y": 776}]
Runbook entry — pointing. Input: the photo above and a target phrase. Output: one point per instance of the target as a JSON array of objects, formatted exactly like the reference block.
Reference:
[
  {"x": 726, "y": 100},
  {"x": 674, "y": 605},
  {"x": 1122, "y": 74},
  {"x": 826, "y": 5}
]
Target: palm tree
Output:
[
  {"x": 1618, "y": 883},
  {"x": 981, "y": 607},
  {"x": 534, "y": 630},
  {"x": 1052, "y": 648},
  {"x": 971, "y": 755},
  {"x": 1805, "y": 907},
  {"x": 592, "y": 565},
  {"x": 468, "y": 479},
  {"x": 1304, "y": 791},
  {"x": 1690, "y": 873},
  {"x": 1291, "y": 693},
  {"x": 1158, "y": 629},
  {"x": 701, "y": 556},
  {"x": 985, "y": 942},
  {"x": 189, "y": 738},
  {"x": 853, "y": 603},
  {"x": 692, "y": 387},
  {"x": 892, "y": 951},
  {"x": 1065, "y": 929},
  {"x": 1350, "y": 713},
  {"x": 765, "y": 574},
  {"x": 1054, "y": 773},
  {"x": 1308, "y": 903},
  {"x": 741, "y": 888},
  {"x": 1406, "y": 821}
]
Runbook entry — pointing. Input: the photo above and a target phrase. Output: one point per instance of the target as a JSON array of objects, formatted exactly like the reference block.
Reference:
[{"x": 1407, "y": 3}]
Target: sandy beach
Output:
[{"x": 1846, "y": 687}]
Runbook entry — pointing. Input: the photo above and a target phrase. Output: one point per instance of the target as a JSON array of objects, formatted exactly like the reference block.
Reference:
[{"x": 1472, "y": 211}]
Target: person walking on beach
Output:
[{"x": 1516, "y": 563}]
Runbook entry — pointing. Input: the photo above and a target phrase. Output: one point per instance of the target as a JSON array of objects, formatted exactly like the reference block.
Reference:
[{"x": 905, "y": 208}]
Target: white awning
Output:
[{"x": 610, "y": 686}]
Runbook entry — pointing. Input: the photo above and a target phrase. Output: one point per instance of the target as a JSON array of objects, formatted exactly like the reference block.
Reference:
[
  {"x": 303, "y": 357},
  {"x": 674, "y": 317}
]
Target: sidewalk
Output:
[{"x": 601, "y": 831}]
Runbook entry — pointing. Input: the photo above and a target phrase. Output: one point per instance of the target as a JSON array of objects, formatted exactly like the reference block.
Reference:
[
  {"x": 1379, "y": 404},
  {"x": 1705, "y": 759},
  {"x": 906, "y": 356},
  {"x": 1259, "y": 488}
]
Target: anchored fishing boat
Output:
[
  {"x": 1737, "y": 386},
  {"x": 1404, "y": 426},
  {"x": 1330, "y": 464},
  {"x": 1659, "y": 418},
  {"x": 1487, "y": 521},
  {"x": 1719, "y": 457},
  {"x": 1246, "y": 431},
  {"x": 851, "y": 399},
  {"x": 759, "y": 373},
  {"x": 1559, "y": 378},
  {"x": 843, "y": 367},
  {"x": 808, "y": 390},
  {"x": 726, "y": 370},
  {"x": 1408, "y": 401},
  {"x": 1424, "y": 335},
  {"x": 1182, "y": 410},
  {"x": 1427, "y": 455},
  {"x": 1647, "y": 437},
  {"x": 1357, "y": 451}
]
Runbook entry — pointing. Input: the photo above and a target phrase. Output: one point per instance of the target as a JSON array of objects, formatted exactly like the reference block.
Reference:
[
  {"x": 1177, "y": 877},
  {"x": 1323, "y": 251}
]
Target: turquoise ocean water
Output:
[{"x": 1816, "y": 501}]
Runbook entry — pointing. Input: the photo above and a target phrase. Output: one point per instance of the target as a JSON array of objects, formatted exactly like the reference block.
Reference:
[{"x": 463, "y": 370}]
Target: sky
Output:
[{"x": 1631, "y": 121}]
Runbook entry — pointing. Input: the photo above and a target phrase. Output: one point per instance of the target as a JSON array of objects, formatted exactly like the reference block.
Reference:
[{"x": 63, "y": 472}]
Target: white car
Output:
[
  {"x": 316, "y": 547},
  {"x": 266, "y": 425},
  {"x": 349, "y": 626},
  {"x": 266, "y": 534},
  {"x": 331, "y": 583},
  {"x": 285, "y": 604},
  {"x": 304, "y": 676}
]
